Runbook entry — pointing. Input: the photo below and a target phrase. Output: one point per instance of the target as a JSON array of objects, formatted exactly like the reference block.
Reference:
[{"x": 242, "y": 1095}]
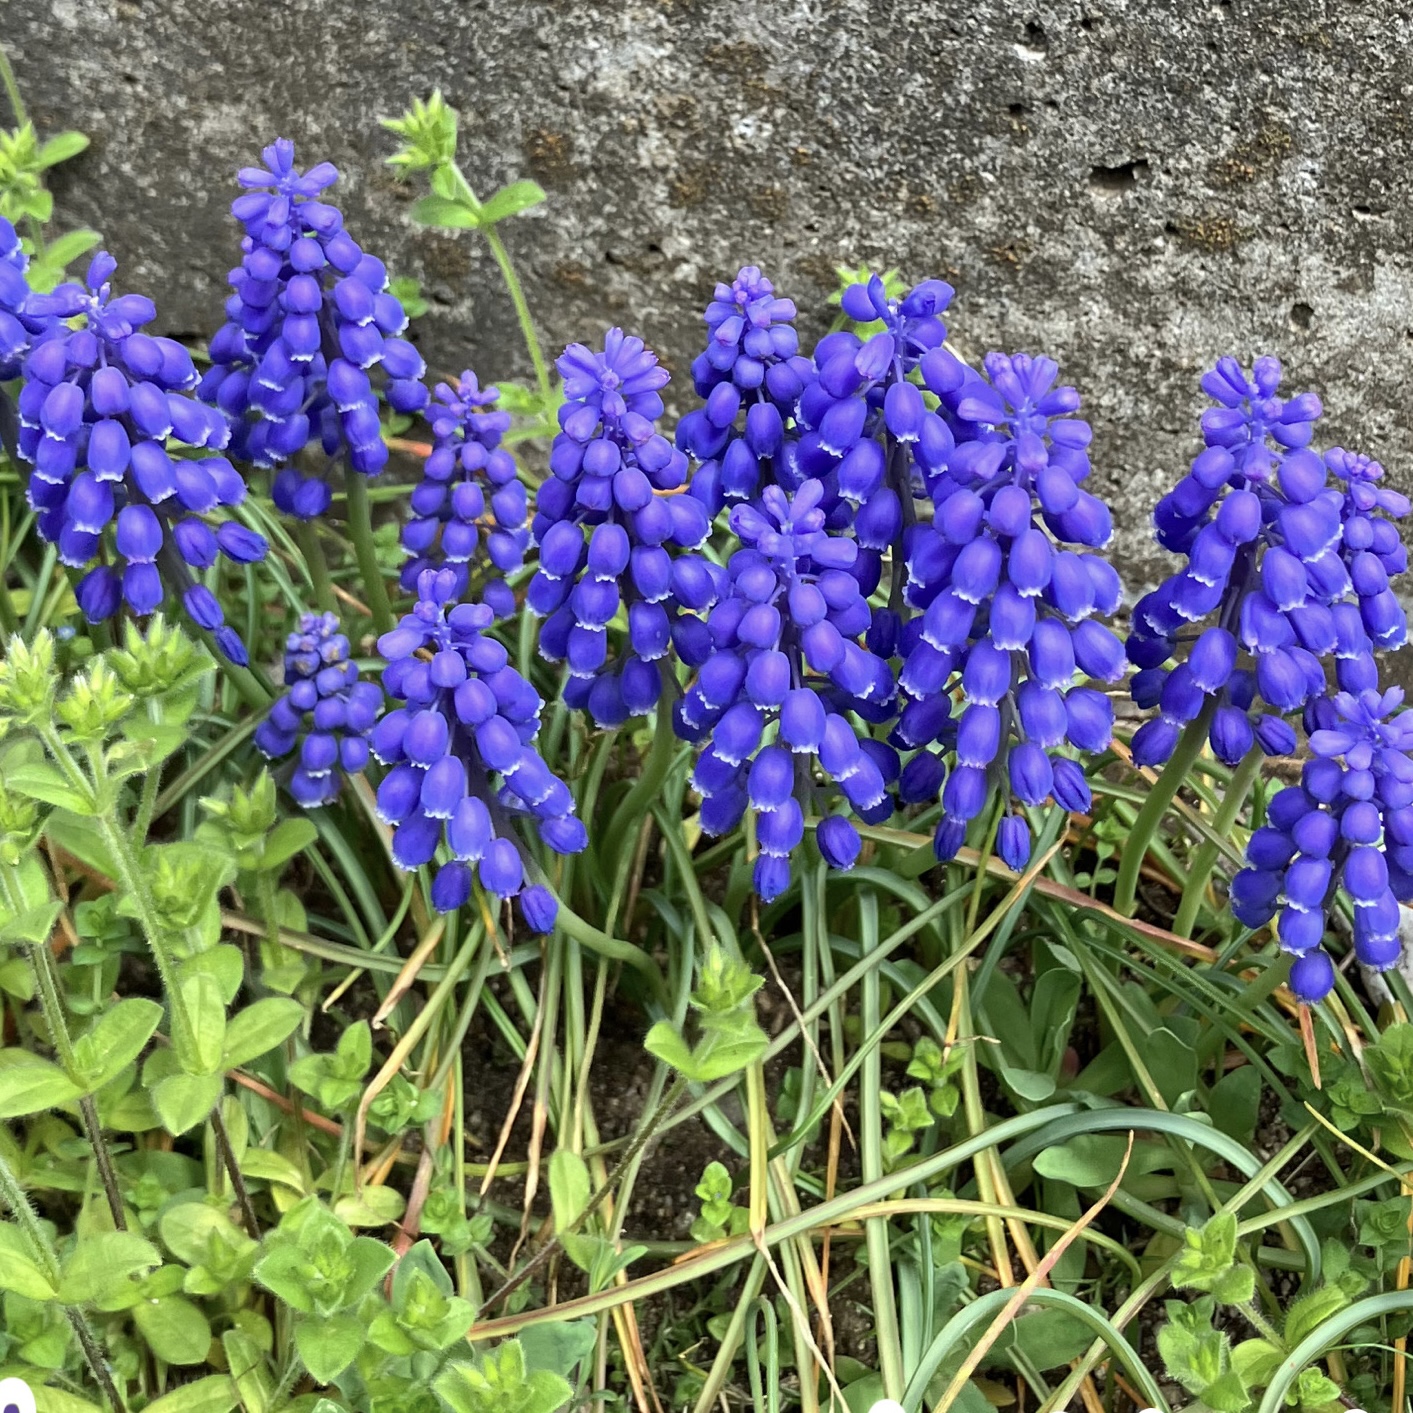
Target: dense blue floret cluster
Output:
[
  {"x": 1371, "y": 547},
  {"x": 17, "y": 325},
  {"x": 325, "y": 711},
  {"x": 464, "y": 767},
  {"x": 1261, "y": 531},
  {"x": 866, "y": 431},
  {"x": 311, "y": 317},
  {"x": 1008, "y": 606},
  {"x": 469, "y": 499},
  {"x": 1345, "y": 830},
  {"x": 749, "y": 376},
  {"x": 607, "y": 522},
  {"x": 107, "y": 424},
  {"x": 771, "y": 701}
]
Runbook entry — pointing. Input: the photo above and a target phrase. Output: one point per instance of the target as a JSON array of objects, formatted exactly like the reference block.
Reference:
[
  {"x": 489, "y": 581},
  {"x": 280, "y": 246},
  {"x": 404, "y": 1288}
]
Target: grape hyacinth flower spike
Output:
[
  {"x": 464, "y": 771},
  {"x": 469, "y": 500},
  {"x": 1007, "y": 604},
  {"x": 325, "y": 711},
  {"x": 866, "y": 430},
  {"x": 18, "y": 326},
  {"x": 1261, "y": 533},
  {"x": 1346, "y": 829},
  {"x": 771, "y": 702},
  {"x": 1371, "y": 546},
  {"x": 606, "y": 522},
  {"x": 107, "y": 425},
  {"x": 309, "y": 320},
  {"x": 750, "y": 376}
]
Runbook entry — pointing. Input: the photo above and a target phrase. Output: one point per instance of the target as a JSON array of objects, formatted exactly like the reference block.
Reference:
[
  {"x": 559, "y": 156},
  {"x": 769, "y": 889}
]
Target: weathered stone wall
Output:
[{"x": 1133, "y": 186}]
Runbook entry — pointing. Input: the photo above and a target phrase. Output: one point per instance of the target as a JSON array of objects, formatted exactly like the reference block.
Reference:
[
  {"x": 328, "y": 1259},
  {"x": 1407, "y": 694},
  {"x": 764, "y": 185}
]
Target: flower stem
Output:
[
  {"x": 13, "y": 1196},
  {"x": 360, "y": 528},
  {"x": 228, "y": 1160},
  {"x": 318, "y": 566},
  {"x": 512, "y": 284},
  {"x": 1199, "y": 875},
  {"x": 522, "y": 311},
  {"x": 1135, "y": 849},
  {"x": 41, "y": 963}
]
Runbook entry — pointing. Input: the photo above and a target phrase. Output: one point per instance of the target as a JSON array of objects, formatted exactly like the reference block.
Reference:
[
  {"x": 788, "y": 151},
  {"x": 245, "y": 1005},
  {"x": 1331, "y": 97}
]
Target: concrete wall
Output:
[{"x": 1133, "y": 186}]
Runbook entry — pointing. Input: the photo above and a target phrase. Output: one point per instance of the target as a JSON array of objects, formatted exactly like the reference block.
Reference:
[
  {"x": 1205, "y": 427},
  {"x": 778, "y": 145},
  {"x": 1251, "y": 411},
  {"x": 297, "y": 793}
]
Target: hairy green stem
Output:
[
  {"x": 360, "y": 529},
  {"x": 13, "y": 1196},
  {"x": 228, "y": 1159},
  {"x": 51, "y": 1005},
  {"x": 131, "y": 879},
  {"x": 1175, "y": 773},
  {"x": 1199, "y": 873},
  {"x": 318, "y": 566}
]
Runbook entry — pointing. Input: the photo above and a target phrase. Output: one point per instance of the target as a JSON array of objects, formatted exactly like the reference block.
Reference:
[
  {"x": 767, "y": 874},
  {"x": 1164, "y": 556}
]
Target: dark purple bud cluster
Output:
[
  {"x": 469, "y": 500},
  {"x": 780, "y": 674},
  {"x": 310, "y": 319},
  {"x": 325, "y": 711},
  {"x": 463, "y": 764},
  {"x": 1007, "y": 605},
  {"x": 1346, "y": 829},
  {"x": 108, "y": 425},
  {"x": 607, "y": 522},
  {"x": 1264, "y": 584},
  {"x": 749, "y": 377}
]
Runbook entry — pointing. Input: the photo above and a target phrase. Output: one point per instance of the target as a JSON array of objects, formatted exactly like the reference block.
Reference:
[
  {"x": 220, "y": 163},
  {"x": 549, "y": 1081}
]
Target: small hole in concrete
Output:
[
  {"x": 1301, "y": 314},
  {"x": 1117, "y": 179}
]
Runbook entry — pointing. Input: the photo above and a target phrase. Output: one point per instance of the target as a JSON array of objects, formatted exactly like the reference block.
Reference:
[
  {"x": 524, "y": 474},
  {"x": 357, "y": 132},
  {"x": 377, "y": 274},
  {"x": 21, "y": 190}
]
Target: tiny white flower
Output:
[{"x": 15, "y": 1396}]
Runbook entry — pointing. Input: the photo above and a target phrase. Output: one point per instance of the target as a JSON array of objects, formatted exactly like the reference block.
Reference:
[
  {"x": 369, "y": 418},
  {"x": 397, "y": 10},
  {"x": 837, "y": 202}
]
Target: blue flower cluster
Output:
[
  {"x": 469, "y": 498},
  {"x": 106, "y": 424},
  {"x": 311, "y": 316},
  {"x": 470, "y": 721},
  {"x": 325, "y": 711},
  {"x": 1371, "y": 547},
  {"x": 606, "y": 522},
  {"x": 17, "y": 325},
  {"x": 772, "y": 698},
  {"x": 1347, "y": 828},
  {"x": 1261, "y": 531},
  {"x": 1005, "y": 604},
  {"x": 749, "y": 376},
  {"x": 866, "y": 431}
]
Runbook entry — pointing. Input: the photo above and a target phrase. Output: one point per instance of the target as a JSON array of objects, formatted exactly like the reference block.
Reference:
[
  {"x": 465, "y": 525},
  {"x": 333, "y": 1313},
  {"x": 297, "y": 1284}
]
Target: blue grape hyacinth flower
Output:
[
  {"x": 464, "y": 771},
  {"x": 310, "y": 320},
  {"x": 607, "y": 523},
  {"x": 324, "y": 711},
  {"x": 108, "y": 427},
  {"x": 750, "y": 376},
  {"x": 1261, "y": 531},
  {"x": 866, "y": 431},
  {"x": 1345, "y": 830},
  {"x": 18, "y": 326},
  {"x": 1008, "y": 606},
  {"x": 469, "y": 503},
  {"x": 772, "y": 700},
  {"x": 1371, "y": 546}
]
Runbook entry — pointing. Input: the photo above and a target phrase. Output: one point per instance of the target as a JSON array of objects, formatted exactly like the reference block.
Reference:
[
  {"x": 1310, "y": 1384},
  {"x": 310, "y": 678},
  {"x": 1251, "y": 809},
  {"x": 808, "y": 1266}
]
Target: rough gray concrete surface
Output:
[{"x": 1133, "y": 186}]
